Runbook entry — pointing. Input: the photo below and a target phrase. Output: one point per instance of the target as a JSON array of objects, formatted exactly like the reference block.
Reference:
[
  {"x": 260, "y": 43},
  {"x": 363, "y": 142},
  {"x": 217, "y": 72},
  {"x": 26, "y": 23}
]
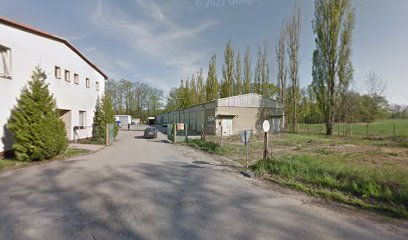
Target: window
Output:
[
  {"x": 82, "y": 119},
  {"x": 211, "y": 121},
  {"x": 67, "y": 76},
  {"x": 57, "y": 72},
  {"x": 87, "y": 82},
  {"x": 5, "y": 62},
  {"x": 97, "y": 86},
  {"x": 76, "y": 78}
]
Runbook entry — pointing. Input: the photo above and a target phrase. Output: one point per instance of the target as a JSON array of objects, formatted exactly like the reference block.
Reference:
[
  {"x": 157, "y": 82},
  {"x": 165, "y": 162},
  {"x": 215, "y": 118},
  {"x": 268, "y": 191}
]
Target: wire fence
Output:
[{"x": 376, "y": 129}]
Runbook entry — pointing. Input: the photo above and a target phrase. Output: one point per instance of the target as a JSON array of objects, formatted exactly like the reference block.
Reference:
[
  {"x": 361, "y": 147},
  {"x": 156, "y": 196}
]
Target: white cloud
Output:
[{"x": 152, "y": 34}]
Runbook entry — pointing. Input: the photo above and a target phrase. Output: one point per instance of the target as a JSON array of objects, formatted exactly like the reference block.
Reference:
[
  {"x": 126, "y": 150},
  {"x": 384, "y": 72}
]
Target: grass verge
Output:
[
  {"x": 330, "y": 177},
  {"x": 212, "y": 147},
  {"x": 331, "y": 168},
  {"x": 69, "y": 153}
]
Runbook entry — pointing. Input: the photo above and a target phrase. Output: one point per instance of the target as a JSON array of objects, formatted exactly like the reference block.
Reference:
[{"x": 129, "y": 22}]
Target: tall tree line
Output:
[
  {"x": 137, "y": 99},
  {"x": 237, "y": 79},
  {"x": 326, "y": 100},
  {"x": 287, "y": 58}
]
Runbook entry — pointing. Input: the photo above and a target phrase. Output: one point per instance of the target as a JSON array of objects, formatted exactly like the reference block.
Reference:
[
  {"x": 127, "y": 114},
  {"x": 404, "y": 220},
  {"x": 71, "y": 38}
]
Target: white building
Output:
[
  {"x": 124, "y": 120},
  {"x": 75, "y": 82}
]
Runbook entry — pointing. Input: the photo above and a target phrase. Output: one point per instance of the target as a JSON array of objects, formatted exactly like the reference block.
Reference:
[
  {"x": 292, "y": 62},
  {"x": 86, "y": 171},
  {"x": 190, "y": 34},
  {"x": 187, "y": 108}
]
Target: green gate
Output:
[{"x": 181, "y": 135}]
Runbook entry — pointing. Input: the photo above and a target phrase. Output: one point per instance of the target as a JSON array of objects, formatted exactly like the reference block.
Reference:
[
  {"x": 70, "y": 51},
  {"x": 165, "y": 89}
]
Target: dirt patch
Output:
[{"x": 356, "y": 151}]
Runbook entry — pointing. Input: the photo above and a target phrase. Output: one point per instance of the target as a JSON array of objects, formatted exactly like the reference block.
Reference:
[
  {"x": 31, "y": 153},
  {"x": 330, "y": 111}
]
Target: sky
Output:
[{"x": 160, "y": 42}]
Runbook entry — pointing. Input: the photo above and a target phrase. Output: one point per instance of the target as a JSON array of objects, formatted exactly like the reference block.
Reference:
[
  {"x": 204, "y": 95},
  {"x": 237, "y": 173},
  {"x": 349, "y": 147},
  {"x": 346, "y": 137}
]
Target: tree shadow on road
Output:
[{"x": 170, "y": 200}]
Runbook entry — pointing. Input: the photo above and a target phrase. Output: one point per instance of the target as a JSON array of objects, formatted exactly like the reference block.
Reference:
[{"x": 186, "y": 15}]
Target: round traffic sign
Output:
[{"x": 266, "y": 126}]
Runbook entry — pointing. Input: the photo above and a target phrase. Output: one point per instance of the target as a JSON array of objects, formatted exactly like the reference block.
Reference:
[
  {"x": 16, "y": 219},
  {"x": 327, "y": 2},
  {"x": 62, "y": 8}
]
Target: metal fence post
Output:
[
  {"x": 186, "y": 132},
  {"x": 265, "y": 153},
  {"x": 106, "y": 135},
  {"x": 174, "y": 132},
  {"x": 221, "y": 142},
  {"x": 367, "y": 130}
]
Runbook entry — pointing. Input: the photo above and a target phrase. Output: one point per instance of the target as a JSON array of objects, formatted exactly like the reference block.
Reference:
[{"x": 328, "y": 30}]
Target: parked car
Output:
[{"x": 150, "y": 132}]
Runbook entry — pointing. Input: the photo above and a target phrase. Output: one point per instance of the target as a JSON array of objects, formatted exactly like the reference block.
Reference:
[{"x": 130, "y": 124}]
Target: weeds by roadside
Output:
[
  {"x": 362, "y": 174},
  {"x": 366, "y": 187},
  {"x": 68, "y": 153}
]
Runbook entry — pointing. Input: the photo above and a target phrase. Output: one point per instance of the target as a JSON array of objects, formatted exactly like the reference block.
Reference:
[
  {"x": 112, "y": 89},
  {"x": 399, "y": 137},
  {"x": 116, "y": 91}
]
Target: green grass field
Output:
[
  {"x": 379, "y": 128},
  {"x": 370, "y": 173}
]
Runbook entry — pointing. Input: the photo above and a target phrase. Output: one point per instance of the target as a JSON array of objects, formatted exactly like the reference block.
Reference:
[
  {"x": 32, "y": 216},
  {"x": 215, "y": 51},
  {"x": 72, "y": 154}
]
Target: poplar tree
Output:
[
  {"x": 264, "y": 71},
  {"x": 180, "y": 95},
  {"x": 200, "y": 87},
  {"x": 212, "y": 81},
  {"x": 258, "y": 72},
  {"x": 247, "y": 71},
  {"x": 280, "y": 51},
  {"x": 332, "y": 71},
  {"x": 37, "y": 130},
  {"x": 187, "y": 98},
  {"x": 293, "y": 31},
  {"x": 238, "y": 75},
  {"x": 281, "y": 62},
  {"x": 193, "y": 91},
  {"x": 228, "y": 71}
]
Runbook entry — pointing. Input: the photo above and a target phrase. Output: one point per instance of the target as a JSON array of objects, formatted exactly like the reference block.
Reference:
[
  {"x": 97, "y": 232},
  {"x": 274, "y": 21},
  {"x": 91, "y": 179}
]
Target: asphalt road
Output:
[{"x": 148, "y": 189}]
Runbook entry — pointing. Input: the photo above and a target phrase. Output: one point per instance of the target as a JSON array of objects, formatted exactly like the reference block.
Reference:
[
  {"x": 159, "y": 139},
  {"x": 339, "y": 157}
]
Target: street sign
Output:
[
  {"x": 266, "y": 126},
  {"x": 180, "y": 126},
  {"x": 245, "y": 135}
]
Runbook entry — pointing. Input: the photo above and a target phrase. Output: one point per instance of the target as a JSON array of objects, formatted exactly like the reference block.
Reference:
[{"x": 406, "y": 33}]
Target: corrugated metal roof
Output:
[
  {"x": 249, "y": 100},
  {"x": 245, "y": 100}
]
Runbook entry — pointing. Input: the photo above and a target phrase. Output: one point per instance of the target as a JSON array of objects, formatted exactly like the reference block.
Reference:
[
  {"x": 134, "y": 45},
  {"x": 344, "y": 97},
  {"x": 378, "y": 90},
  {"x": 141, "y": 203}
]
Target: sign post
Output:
[
  {"x": 265, "y": 126},
  {"x": 245, "y": 138},
  {"x": 246, "y": 150}
]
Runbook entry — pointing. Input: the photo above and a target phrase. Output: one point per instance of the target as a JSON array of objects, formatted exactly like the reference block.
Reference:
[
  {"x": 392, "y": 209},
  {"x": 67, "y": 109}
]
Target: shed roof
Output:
[{"x": 249, "y": 100}]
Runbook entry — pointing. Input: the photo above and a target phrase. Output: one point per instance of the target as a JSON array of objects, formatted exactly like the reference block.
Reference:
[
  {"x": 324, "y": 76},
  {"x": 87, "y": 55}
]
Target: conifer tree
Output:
[
  {"x": 38, "y": 131},
  {"x": 104, "y": 114},
  {"x": 212, "y": 81},
  {"x": 247, "y": 71}
]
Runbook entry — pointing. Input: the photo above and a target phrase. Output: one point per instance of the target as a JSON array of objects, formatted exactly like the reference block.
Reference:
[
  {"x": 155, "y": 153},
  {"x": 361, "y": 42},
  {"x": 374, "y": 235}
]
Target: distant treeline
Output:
[{"x": 137, "y": 99}]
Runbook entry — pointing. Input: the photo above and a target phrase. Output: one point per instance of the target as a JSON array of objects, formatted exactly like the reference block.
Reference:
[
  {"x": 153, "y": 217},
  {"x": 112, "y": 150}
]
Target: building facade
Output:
[
  {"x": 75, "y": 82},
  {"x": 231, "y": 115},
  {"x": 124, "y": 120}
]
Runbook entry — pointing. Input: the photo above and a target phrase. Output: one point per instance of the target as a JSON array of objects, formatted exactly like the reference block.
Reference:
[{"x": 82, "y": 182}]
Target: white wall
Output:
[{"x": 30, "y": 50}]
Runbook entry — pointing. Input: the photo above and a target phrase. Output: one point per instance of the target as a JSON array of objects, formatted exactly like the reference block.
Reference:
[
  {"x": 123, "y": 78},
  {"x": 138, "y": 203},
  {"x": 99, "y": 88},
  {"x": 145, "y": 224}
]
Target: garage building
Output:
[{"x": 232, "y": 115}]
